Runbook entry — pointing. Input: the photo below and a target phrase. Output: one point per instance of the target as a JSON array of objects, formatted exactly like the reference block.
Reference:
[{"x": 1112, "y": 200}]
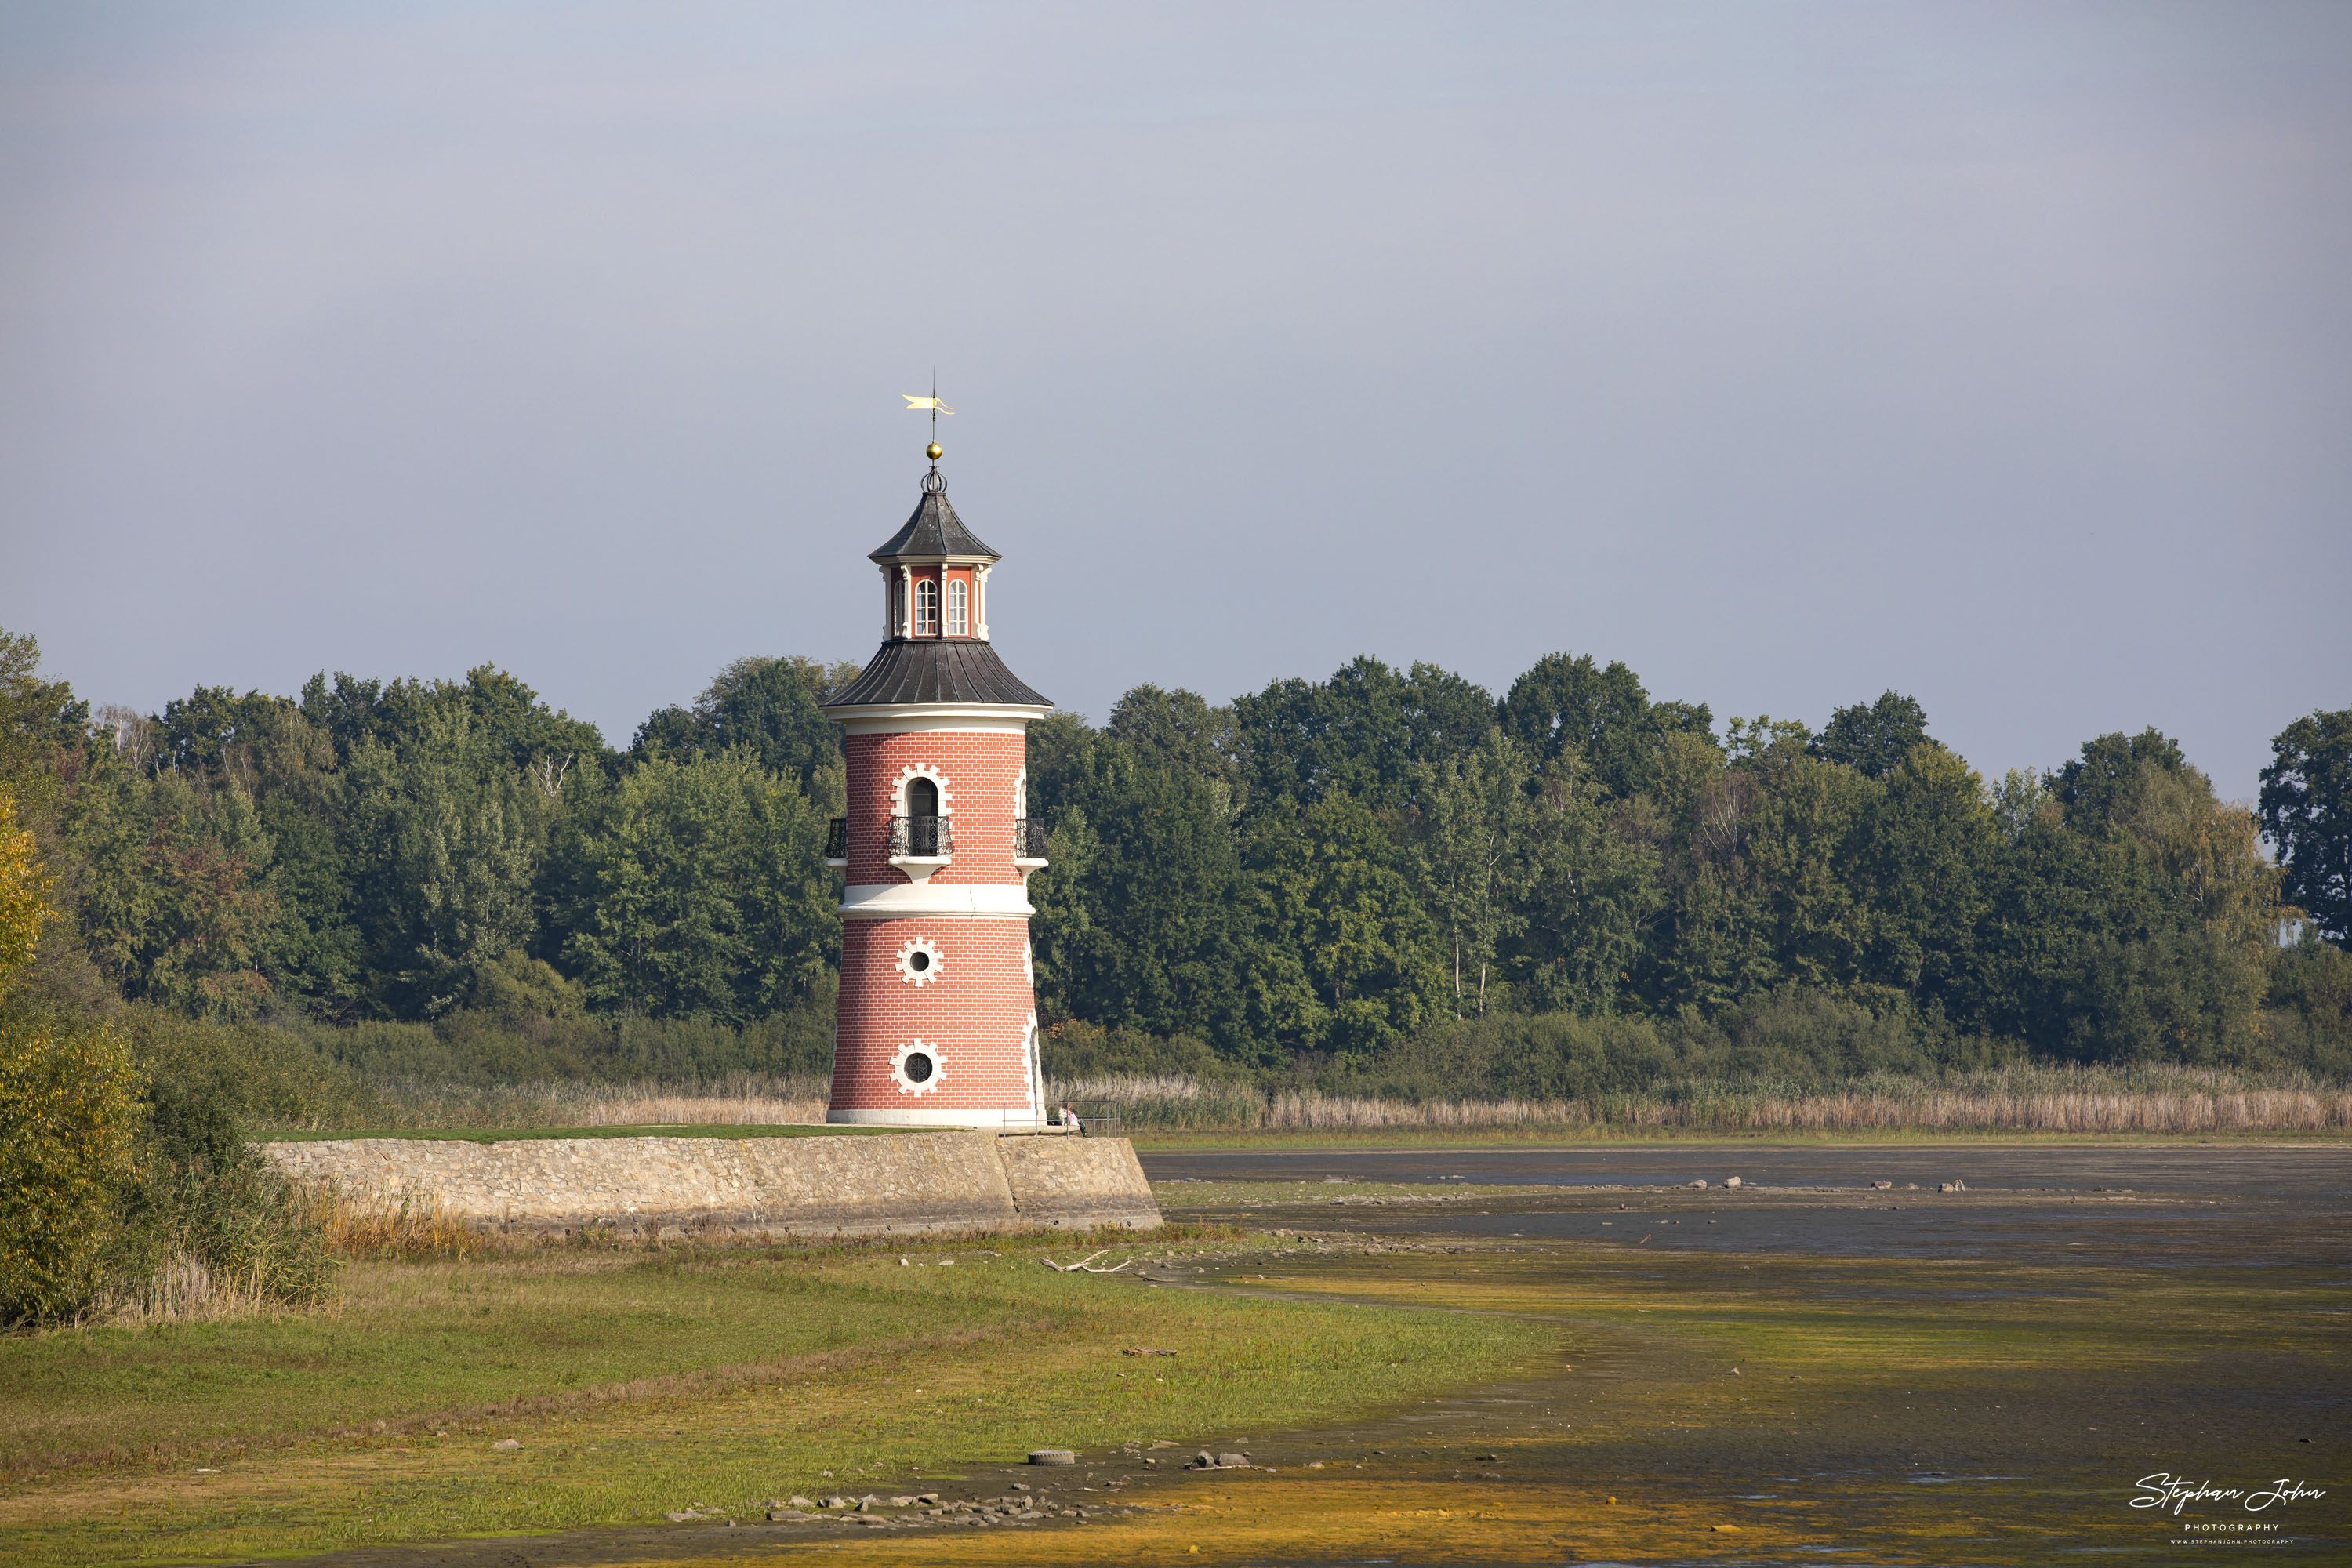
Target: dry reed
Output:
[
  {"x": 385, "y": 1230},
  {"x": 181, "y": 1290},
  {"x": 2032, "y": 1100}
]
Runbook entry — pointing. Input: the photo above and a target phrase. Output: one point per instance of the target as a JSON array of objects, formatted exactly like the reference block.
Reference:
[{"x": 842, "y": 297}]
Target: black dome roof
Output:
[{"x": 932, "y": 532}]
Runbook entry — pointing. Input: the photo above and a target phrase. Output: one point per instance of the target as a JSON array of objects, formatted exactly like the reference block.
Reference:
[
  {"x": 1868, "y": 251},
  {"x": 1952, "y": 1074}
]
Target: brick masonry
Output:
[
  {"x": 974, "y": 1013},
  {"x": 772, "y": 1188}
]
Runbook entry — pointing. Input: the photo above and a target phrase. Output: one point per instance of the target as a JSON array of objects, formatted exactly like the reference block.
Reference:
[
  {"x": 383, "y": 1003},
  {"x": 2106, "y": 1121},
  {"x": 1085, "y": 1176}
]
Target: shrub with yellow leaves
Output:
[{"x": 69, "y": 1114}]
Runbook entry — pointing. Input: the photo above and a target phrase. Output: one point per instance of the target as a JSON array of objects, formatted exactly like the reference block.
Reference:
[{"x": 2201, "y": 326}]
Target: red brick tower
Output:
[{"x": 937, "y": 1020}]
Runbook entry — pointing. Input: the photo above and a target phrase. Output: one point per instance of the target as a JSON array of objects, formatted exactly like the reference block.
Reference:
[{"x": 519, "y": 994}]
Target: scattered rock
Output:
[
  {"x": 929, "y": 1500},
  {"x": 1883, "y": 1187},
  {"x": 1700, "y": 1182},
  {"x": 1732, "y": 1181},
  {"x": 1204, "y": 1460},
  {"x": 505, "y": 1446},
  {"x": 1314, "y": 1464},
  {"x": 1052, "y": 1457},
  {"x": 902, "y": 1502},
  {"x": 1233, "y": 1461},
  {"x": 1490, "y": 1475},
  {"x": 799, "y": 1503},
  {"x": 837, "y": 1502}
]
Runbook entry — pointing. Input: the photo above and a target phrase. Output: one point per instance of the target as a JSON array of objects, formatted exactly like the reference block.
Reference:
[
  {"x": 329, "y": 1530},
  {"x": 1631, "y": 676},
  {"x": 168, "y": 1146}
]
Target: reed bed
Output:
[
  {"x": 736, "y": 1100},
  {"x": 379, "y": 1229},
  {"x": 2016, "y": 1099},
  {"x": 183, "y": 1289},
  {"x": 2028, "y": 1099}
]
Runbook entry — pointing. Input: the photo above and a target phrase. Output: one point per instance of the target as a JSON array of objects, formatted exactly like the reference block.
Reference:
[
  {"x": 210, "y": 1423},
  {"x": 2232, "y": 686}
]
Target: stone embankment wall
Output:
[{"x": 776, "y": 1188}]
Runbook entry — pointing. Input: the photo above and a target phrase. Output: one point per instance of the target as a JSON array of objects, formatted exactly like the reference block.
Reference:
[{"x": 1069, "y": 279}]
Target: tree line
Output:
[{"x": 1315, "y": 871}]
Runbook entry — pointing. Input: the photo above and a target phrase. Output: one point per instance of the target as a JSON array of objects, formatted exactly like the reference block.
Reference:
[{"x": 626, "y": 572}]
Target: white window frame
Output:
[
  {"x": 959, "y": 608},
  {"x": 927, "y": 608}
]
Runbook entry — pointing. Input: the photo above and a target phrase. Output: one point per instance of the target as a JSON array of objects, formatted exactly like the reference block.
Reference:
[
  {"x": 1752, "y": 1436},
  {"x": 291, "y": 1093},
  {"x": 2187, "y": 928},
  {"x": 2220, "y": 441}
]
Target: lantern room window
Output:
[
  {"x": 957, "y": 617},
  {"x": 927, "y": 608}
]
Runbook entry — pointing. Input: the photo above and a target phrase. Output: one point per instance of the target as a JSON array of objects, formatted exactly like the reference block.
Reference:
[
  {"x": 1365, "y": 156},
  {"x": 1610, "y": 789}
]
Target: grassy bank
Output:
[{"x": 642, "y": 1382}]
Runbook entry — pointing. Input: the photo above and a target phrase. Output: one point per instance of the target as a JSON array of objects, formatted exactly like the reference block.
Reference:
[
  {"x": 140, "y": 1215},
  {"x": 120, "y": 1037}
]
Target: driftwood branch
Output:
[{"x": 1083, "y": 1265}]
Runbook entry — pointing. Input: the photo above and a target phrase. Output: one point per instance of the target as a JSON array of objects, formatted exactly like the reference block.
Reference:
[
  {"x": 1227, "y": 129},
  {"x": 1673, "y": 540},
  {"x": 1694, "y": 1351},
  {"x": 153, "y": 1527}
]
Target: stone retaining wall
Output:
[{"x": 775, "y": 1188}]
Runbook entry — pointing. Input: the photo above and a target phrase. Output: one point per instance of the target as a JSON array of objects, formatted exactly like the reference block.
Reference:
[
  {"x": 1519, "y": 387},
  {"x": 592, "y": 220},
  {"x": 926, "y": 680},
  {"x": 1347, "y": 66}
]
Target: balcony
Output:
[
  {"x": 1029, "y": 841},
  {"x": 920, "y": 845}
]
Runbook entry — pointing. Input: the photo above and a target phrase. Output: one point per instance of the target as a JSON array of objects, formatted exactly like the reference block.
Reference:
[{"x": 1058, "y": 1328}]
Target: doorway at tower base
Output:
[{"x": 778, "y": 1189}]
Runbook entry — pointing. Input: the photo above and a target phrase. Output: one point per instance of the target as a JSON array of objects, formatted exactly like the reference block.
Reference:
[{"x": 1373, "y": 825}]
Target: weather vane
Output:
[{"x": 932, "y": 402}]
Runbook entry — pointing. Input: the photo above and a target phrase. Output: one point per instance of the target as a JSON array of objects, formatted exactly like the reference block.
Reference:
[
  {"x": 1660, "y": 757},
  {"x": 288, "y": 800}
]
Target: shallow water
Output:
[{"x": 2154, "y": 1206}]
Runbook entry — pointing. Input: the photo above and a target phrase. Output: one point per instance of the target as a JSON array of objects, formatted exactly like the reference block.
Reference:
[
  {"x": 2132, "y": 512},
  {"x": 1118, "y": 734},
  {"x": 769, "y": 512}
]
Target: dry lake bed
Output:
[{"x": 2090, "y": 1352}]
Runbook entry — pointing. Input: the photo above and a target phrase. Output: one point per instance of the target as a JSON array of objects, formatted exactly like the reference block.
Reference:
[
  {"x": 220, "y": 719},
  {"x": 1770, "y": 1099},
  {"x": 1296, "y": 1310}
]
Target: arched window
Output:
[
  {"x": 927, "y": 608},
  {"x": 957, "y": 619},
  {"x": 923, "y": 797},
  {"x": 898, "y": 608}
]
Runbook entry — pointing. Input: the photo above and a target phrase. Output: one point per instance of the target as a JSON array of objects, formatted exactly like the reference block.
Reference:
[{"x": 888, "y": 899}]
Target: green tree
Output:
[
  {"x": 1873, "y": 737},
  {"x": 2305, "y": 809},
  {"x": 1136, "y": 904},
  {"x": 446, "y": 839},
  {"x": 1472, "y": 846},
  {"x": 1930, "y": 835},
  {"x": 1568, "y": 700},
  {"x": 1348, "y": 959},
  {"x": 765, "y": 706},
  {"x": 2096, "y": 784},
  {"x": 1588, "y": 894},
  {"x": 1176, "y": 729},
  {"x": 698, "y": 890},
  {"x": 1360, "y": 733},
  {"x": 176, "y": 906}
]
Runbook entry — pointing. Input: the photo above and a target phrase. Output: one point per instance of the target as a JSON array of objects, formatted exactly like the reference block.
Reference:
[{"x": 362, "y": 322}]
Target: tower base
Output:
[{"x": 1012, "y": 1118}]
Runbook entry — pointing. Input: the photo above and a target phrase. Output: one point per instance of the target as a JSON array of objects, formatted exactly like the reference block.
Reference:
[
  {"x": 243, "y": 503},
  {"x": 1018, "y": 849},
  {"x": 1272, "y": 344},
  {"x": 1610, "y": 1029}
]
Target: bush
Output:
[{"x": 69, "y": 1114}]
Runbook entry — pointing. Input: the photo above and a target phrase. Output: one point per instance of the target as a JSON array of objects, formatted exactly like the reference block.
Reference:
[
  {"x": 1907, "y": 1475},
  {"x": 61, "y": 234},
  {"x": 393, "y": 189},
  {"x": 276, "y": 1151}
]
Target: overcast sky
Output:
[{"x": 2000, "y": 355}]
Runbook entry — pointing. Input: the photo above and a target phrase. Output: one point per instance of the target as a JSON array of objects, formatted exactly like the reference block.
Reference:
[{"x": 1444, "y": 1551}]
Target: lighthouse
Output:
[{"x": 936, "y": 1024}]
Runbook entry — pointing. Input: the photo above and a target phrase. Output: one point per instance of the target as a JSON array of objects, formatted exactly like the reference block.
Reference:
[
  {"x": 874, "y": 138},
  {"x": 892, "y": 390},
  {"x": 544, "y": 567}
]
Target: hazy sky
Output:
[{"x": 2000, "y": 354}]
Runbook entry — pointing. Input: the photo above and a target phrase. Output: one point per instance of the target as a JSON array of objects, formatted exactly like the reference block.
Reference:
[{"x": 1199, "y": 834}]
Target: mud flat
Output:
[{"x": 1858, "y": 1373}]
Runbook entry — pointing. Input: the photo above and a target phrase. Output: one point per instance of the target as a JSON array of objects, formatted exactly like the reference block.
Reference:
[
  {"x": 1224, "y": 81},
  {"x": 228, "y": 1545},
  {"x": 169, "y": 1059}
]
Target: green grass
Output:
[
  {"x": 645, "y": 1129},
  {"x": 642, "y": 1382}
]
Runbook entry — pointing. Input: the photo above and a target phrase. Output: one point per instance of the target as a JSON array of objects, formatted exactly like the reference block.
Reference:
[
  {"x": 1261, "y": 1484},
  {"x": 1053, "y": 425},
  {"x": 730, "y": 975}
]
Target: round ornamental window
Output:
[
  {"x": 915, "y": 1070},
  {"x": 920, "y": 961}
]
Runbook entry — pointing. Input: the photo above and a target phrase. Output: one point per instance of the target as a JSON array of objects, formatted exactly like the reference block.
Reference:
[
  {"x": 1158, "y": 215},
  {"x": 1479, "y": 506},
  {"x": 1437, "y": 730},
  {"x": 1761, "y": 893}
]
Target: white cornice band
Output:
[
  {"x": 915, "y": 717},
  {"x": 933, "y": 901}
]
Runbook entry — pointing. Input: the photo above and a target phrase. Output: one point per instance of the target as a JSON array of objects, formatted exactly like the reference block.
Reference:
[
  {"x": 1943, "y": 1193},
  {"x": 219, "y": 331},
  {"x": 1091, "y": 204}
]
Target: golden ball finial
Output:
[{"x": 933, "y": 451}]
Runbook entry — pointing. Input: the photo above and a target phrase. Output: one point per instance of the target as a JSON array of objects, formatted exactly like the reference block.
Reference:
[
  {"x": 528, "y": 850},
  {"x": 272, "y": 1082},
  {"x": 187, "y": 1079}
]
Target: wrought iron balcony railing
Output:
[
  {"x": 837, "y": 839},
  {"x": 1028, "y": 838},
  {"x": 921, "y": 837}
]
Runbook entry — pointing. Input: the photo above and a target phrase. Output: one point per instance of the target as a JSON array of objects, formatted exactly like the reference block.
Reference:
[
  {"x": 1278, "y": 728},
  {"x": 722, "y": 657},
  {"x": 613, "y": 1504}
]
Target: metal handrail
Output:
[
  {"x": 921, "y": 837},
  {"x": 837, "y": 839},
  {"x": 1028, "y": 838}
]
